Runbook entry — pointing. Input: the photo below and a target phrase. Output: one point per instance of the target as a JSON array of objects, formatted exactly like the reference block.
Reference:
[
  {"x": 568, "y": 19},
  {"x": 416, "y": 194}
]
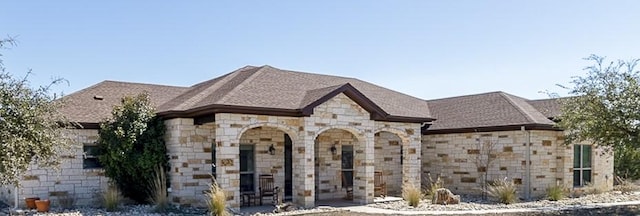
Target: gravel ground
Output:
[{"x": 575, "y": 206}]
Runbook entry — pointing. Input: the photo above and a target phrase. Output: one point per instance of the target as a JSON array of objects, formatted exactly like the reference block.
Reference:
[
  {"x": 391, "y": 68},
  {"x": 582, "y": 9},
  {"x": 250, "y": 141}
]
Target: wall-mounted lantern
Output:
[
  {"x": 272, "y": 150},
  {"x": 333, "y": 149}
]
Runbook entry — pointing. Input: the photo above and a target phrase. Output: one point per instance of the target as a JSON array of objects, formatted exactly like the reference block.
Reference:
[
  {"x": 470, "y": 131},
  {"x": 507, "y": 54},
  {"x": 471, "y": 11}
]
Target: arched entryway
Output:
[
  {"x": 388, "y": 150},
  {"x": 335, "y": 163},
  {"x": 266, "y": 150}
]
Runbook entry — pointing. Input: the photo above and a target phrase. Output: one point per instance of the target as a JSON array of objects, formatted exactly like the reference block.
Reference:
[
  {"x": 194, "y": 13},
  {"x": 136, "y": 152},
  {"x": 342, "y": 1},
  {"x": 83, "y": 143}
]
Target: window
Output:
[
  {"x": 581, "y": 165},
  {"x": 347, "y": 166},
  {"x": 213, "y": 159},
  {"x": 247, "y": 168},
  {"x": 90, "y": 156}
]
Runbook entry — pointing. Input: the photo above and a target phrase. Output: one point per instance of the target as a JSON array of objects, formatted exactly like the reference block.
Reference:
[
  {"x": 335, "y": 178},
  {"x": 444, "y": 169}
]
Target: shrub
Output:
[
  {"x": 111, "y": 198},
  {"x": 590, "y": 188},
  {"x": 625, "y": 186},
  {"x": 503, "y": 190},
  {"x": 216, "y": 200},
  {"x": 158, "y": 190},
  {"x": 432, "y": 186},
  {"x": 556, "y": 192},
  {"x": 411, "y": 194},
  {"x": 131, "y": 145}
]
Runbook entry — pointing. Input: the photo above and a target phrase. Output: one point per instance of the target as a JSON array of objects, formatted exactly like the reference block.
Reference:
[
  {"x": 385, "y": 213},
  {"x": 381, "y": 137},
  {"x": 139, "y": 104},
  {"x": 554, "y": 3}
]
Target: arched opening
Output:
[
  {"x": 335, "y": 167},
  {"x": 388, "y": 154},
  {"x": 265, "y": 151}
]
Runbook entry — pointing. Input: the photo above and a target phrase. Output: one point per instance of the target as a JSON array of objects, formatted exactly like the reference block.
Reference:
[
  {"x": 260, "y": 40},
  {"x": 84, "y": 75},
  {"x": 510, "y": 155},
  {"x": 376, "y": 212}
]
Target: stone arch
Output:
[
  {"x": 287, "y": 129},
  {"x": 357, "y": 133},
  {"x": 389, "y": 156},
  {"x": 397, "y": 131}
]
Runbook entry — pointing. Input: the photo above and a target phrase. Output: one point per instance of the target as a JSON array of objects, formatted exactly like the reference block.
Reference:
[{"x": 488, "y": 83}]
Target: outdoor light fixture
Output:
[
  {"x": 334, "y": 149},
  {"x": 272, "y": 150}
]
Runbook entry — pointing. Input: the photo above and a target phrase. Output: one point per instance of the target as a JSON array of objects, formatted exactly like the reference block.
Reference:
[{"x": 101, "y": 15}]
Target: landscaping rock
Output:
[
  {"x": 285, "y": 207},
  {"x": 444, "y": 196}
]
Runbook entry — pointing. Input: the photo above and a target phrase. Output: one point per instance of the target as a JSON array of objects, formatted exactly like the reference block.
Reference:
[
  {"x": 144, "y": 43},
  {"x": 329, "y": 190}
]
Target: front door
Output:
[{"x": 288, "y": 168}]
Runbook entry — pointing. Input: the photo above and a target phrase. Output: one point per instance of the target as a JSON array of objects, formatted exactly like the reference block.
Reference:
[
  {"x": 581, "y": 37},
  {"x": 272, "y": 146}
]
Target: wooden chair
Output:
[
  {"x": 267, "y": 188},
  {"x": 347, "y": 188},
  {"x": 379, "y": 185}
]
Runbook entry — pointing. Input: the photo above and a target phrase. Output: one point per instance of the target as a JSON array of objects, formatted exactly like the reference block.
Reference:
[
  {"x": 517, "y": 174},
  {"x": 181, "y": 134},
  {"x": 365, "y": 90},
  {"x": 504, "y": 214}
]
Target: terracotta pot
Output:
[
  {"x": 31, "y": 202},
  {"x": 42, "y": 205}
]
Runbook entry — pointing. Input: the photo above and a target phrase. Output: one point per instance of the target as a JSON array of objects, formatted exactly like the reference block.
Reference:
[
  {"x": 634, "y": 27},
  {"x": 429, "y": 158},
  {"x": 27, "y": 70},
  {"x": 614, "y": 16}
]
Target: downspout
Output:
[
  {"x": 527, "y": 163},
  {"x": 15, "y": 193}
]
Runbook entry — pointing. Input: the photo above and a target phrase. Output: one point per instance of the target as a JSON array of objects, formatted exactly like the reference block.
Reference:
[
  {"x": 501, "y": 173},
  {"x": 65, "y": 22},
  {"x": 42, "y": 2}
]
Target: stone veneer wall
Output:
[
  {"x": 453, "y": 157},
  {"x": 387, "y": 153},
  {"x": 189, "y": 147},
  {"x": 265, "y": 163},
  {"x": 72, "y": 179}
]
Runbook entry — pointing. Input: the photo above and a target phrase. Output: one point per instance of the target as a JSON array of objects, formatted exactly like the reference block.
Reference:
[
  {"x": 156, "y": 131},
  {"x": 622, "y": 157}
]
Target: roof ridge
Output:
[
  {"x": 251, "y": 77},
  {"x": 140, "y": 83},
  {"x": 518, "y": 107},
  {"x": 468, "y": 95},
  {"x": 306, "y": 93},
  {"x": 194, "y": 100}
]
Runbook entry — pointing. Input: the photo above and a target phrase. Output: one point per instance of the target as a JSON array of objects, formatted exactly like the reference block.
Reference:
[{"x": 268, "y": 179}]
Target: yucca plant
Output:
[
  {"x": 556, "y": 192},
  {"x": 411, "y": 194},
  {"x": 503, "y": 190},
  {"x": 158, "y": 190},
  {"x": 216, "y": 200},
  {"x": 111, "y": 197}
]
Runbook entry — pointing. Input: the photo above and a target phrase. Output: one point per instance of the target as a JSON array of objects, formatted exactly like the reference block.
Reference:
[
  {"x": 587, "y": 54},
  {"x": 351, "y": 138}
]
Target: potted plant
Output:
[
  {"x": 43, "y": 205},
  {"x": 31, "y": 202}
]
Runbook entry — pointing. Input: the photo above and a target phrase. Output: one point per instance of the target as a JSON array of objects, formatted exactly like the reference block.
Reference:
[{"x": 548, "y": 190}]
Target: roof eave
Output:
[{"x": 547, "y": 127}]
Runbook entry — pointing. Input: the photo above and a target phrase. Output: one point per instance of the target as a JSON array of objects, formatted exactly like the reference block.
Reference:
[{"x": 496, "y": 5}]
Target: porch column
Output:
[
  {"x": 364, "y": 169},
  {"x": 411, "y": 147},
  {"x": 228, "y": 159},
  {"x": 303, "y": 170}
]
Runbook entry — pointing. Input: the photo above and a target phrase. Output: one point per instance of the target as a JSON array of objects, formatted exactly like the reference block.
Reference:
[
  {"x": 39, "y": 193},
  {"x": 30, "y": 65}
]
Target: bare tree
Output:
[{"x": 486, "y": 155}]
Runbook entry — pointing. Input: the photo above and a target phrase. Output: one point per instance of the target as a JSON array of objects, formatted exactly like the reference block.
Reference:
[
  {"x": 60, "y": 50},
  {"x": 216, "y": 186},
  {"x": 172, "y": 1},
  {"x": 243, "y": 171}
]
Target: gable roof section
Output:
[
  {"x": 485, "y": 112},
  {"x": 550, "y": 108},
  {"x": 269, "y": 90},
  {"x": 95, "y": 103}
]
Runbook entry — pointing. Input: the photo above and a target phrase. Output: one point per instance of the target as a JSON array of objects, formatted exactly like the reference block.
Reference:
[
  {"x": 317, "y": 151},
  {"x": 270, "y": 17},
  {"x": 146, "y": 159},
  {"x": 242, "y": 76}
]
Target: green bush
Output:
[
  {"x": 216, "y": 200},
  {"x": 111, "y": 198},
  {"x": 411, "y": 194},
  {"x": 556, "y": 192},
  {"x": 131, "y": 145},
  {"x": 503, "y": 190}
]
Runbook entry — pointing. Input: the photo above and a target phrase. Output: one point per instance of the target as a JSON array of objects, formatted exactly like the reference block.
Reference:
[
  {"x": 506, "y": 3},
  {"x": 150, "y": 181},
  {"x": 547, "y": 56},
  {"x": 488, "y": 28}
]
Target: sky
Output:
[{"x": 427, "y": 49}]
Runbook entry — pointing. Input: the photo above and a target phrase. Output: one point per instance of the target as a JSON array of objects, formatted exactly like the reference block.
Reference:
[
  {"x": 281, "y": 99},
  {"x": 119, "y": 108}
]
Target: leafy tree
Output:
[
  {"x": 605, "y": 109},
  {"x": 131, "y": 145},
  {"x": 30, "y": 125}
]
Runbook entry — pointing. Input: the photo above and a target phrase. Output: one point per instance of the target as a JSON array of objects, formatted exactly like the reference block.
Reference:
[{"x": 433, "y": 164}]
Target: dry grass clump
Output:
[
  {"x": 216, "y": 200},
  {"x": 67, "y": 201},
  {"x": 590, "y": 189},
  {"x": 432, "y": 186},
  {"x": 503, "y": 190},
  {"x": 625, "y": 186},
  {"x": 158, "y": 190},
  {"x": 556, "y": 192},
  {"x": 411, "y": 194},
  {"x": 111, "y": 198}
]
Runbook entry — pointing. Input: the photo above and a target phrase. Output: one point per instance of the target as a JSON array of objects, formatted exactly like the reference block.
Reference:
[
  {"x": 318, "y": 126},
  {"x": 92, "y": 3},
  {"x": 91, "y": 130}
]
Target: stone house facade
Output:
[{"x": 318, "y": 134}]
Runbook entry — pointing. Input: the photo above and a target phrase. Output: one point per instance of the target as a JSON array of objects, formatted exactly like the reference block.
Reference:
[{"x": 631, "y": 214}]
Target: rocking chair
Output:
[
  {"x": 267, "y": 188},
  {"x": 379, "y": 185}
]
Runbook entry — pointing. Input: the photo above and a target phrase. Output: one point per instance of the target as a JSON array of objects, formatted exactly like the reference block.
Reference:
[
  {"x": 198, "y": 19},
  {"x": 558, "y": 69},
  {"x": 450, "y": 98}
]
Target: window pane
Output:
[
  {"x": 586, "y": 176},
  {"x": 576, "y": 178},
  {"x": 586, "y": 156},
  {"x": 213, "y": 159},
  {"x": 246, "y": 158},
  {"x": 347, "y": 157},
  {"x": 246, "y": 182},
  {"x": 347, "y": 178},
  {"x": 576, "y": 156}
]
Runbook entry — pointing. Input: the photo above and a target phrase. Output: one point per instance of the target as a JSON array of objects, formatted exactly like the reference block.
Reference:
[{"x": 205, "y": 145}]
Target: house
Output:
[{"x": 318, "y": 135}]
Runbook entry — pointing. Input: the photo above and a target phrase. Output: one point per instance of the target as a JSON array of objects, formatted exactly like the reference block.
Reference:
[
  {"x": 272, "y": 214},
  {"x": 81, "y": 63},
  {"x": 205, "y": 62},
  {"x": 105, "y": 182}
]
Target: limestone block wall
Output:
[
  {"x": 388, "y": 149},
  {"x": 265, "y": 163},
  {"x": 71, "y": 180},
  {"x": 328, "y": 166},
  {"x": 455, "y": 158},
  {"x": 411, "y": 142},
  {"x": 189, "y": 147}
]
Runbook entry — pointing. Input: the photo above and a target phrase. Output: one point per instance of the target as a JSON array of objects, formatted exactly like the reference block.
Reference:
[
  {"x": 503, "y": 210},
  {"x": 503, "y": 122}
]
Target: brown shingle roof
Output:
[
  {"x": 83, "y": 107},
  {"x": 493, "y": 109},
  {"x": 288, "y": 91},
  {"x": 548, "y": 107}
]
